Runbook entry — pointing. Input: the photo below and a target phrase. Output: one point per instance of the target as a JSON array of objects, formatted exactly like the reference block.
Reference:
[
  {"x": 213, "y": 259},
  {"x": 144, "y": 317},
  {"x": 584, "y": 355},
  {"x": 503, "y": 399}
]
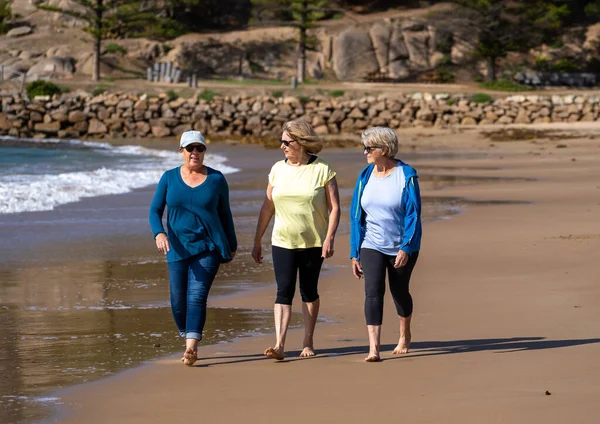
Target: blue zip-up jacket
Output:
[{"x": 411, "y": 212}]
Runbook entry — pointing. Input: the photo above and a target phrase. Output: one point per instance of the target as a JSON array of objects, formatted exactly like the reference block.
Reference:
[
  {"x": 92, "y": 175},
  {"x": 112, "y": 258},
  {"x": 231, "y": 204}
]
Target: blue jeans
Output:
[{"x": 191, "y": 280}]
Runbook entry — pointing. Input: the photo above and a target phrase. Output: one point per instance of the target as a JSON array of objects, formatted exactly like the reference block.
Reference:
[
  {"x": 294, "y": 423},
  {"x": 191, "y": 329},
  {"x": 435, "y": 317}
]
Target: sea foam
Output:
[{"x": 21, "y": 193}]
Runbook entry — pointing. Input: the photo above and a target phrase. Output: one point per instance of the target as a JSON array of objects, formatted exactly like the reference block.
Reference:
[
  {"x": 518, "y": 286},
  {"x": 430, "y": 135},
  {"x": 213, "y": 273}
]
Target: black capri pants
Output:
[
  {"x": 288, "y": 263},
  {"x": 374, "y": 265}
]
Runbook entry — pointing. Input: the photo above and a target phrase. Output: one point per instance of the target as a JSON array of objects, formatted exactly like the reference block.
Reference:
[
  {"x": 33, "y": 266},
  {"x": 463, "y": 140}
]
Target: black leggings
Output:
[
  {"x": 287, "y": 263},
  {"x": 374, "y": 265}
]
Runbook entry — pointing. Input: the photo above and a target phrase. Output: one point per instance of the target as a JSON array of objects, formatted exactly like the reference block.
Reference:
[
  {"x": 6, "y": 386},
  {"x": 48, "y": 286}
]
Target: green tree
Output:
[
  {"x": 512, "y": 25},
  {"x": 105, "y": 19},
  {"x": 301, "y": 14},
  {"x": 5, "y": 15},
  {"x": 202, "y": 15}
]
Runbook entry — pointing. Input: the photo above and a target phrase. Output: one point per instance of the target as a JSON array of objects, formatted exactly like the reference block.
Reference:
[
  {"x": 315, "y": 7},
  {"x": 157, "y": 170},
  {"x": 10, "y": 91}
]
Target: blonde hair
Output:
[
  {"x": 304, "y": 134},
  {"x": 383, "y": 137}
]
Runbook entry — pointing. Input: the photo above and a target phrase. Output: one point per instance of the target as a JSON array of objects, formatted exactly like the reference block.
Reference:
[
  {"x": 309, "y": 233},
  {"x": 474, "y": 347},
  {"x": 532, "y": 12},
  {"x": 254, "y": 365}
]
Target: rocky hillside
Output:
[{"x": 422, "y": 44}]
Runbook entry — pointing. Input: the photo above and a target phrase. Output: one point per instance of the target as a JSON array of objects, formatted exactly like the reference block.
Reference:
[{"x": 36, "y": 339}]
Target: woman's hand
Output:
[
  {"x": 162, "y": 243},
  {"x": 401, "y": 259},
  {"x": 327, "y": 251},
  {"x": 357, "y": 269},
  {"x": 233, "y": 254},
  {"x": 257, "y": 253}
]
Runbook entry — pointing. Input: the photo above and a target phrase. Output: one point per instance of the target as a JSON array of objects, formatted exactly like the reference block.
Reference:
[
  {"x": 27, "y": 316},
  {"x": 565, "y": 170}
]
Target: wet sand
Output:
[
  {"x": 505, "y": 327},
  {"x": 84, "y": 294}
]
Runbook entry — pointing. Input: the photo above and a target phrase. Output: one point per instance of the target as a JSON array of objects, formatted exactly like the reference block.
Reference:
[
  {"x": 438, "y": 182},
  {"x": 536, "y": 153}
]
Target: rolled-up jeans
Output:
[{"x": 190, "y": 281}]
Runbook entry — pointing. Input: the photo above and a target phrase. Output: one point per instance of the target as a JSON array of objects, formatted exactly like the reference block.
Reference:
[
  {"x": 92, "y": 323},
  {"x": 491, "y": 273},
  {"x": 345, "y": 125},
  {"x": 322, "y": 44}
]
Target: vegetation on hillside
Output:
[{"x": 503, "y": 26}]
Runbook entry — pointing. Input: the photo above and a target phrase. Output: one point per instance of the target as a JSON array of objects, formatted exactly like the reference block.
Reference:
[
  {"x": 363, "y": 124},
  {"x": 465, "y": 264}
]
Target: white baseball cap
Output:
[{"x": 191, "y": 137}]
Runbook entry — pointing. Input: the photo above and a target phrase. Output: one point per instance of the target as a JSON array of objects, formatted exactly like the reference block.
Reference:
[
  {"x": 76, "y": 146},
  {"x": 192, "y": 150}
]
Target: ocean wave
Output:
[{"x": 27, "y": 193}]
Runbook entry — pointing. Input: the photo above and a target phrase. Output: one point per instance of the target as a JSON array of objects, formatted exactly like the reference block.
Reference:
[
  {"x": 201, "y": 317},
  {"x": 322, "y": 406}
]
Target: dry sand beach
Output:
[{"x": 505, "y": 328}]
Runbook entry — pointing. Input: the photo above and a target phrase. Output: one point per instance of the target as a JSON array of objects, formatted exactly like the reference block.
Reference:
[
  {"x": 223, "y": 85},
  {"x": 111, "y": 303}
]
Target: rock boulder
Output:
[
  {"x": 19, "y": 32},
  {"x": 354, "y": 55}
]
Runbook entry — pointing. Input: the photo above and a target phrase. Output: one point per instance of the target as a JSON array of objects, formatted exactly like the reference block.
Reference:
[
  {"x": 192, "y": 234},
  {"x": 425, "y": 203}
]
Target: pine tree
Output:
[
  {"x": 104, "y": 18},
  {"x": 302, "y": 14}
]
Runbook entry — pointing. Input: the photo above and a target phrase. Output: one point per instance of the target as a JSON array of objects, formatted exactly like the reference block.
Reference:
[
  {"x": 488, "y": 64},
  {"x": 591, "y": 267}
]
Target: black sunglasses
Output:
[
  {"x": 199, "y": 148},
  {"x": 368, "y": 149},
  {"x": 286, "y": 143}
]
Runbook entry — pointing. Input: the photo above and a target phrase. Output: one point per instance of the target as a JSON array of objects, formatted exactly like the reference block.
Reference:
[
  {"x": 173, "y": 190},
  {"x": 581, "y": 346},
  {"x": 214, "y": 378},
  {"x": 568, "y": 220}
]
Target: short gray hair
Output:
[{"x": 383, "y": 137}]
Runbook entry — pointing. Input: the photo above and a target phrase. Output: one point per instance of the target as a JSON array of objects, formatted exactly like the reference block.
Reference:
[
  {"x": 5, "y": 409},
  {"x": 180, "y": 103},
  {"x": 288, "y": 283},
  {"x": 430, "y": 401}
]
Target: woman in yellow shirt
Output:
[{"x": 303, "y": 195}]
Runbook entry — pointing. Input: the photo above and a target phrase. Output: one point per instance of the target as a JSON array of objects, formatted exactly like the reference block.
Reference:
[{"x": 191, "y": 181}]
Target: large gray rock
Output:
[
  {"x": 440, "y": 40},
  {"x": 354, "y": 55},
  {"x": 67, "y": 19},
  {"x": 418, "y": 48},
  {"x": 19, "y": 32},
  {"x": 381, "y": 34},
  {"x": 58, "y": 51},
  {"x": 398, "y": 69},
  {"x": 462, "y": 50},
  {"x": 398, "y": 50},
  {"x": 53, "y": 67}
]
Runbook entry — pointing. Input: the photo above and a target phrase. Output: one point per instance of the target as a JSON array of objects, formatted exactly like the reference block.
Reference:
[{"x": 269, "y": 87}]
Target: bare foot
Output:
[
  {"x": 307, "y": 351},
  {"x": 274, "y": 353},
  {"x": 190, "y": 356},
  {"x": 403, "y": 345},
  {"x": 373, "y": 357}
]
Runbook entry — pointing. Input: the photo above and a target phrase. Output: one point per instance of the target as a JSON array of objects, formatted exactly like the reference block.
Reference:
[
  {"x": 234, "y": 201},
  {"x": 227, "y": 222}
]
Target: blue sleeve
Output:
[
  {"x": 355, "y": 216},
  {"x": 411, "y": 240},
  {"x": 226, "y": 216},
  {"x": 157, "y": 207}
]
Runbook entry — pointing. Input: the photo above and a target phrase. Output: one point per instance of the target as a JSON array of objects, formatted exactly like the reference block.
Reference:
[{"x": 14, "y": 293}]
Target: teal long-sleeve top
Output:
[{"x": 198, "y": 218}]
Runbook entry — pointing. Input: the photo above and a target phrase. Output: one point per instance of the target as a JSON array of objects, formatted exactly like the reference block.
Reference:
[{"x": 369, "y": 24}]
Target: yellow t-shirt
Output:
[{"x": 301, "y": 213}]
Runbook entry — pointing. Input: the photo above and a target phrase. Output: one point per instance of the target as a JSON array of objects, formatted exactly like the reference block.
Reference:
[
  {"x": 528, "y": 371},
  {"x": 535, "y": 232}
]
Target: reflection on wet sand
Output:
[{"x": 63, "y": 325}]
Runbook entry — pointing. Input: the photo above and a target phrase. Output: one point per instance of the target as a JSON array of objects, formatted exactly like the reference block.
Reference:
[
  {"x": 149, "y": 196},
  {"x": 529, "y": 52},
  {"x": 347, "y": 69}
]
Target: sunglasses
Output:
[
  {"x": 286, "y": 143},
  {"x": 368, "y": 149},
  {"x": 198, "y": 148}
]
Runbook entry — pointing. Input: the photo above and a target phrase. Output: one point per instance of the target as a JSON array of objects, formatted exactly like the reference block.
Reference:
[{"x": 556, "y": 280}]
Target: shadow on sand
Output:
[{"x": 427, "y": 348}]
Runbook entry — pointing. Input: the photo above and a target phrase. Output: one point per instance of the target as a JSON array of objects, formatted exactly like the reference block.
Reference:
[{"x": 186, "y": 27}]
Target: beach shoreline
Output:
[
  {"x": 466, "y": 154},
  {"x": 537, "y": 307}
]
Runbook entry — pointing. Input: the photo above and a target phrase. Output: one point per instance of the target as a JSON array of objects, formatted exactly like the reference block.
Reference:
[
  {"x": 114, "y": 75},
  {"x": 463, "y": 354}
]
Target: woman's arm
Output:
[
  {"x": 266, "y": 213},
  {"x": 157, "y": 208},
  {"x": 333, "y": 203},
  {"x": 226, "y": 217}
]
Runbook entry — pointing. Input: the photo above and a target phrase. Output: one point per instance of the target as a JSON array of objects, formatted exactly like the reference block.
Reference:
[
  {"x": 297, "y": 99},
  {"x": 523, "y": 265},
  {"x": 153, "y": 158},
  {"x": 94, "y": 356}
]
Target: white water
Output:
[{"x": 117, "y": 170}]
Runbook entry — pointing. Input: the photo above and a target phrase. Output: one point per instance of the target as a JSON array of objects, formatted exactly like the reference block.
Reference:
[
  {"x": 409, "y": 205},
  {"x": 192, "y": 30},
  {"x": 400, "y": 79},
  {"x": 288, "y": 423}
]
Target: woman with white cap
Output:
[{"x": 200, "y": 235}]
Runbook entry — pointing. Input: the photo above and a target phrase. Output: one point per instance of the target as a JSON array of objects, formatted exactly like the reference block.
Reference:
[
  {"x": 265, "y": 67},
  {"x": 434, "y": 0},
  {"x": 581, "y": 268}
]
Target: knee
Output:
[
  {"x": 310, "y": 297},
  {"x": 197, "y": 296},
  {"x": 284, "y": 300},
  {"x": 284, "y": 296}
]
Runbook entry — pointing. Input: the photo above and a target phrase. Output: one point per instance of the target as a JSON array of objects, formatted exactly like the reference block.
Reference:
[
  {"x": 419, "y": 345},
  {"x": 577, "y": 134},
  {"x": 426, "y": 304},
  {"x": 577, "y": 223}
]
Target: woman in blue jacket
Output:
[
  {"x": 200, "y": 235},
  {"x": 385, "y": 234}
]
